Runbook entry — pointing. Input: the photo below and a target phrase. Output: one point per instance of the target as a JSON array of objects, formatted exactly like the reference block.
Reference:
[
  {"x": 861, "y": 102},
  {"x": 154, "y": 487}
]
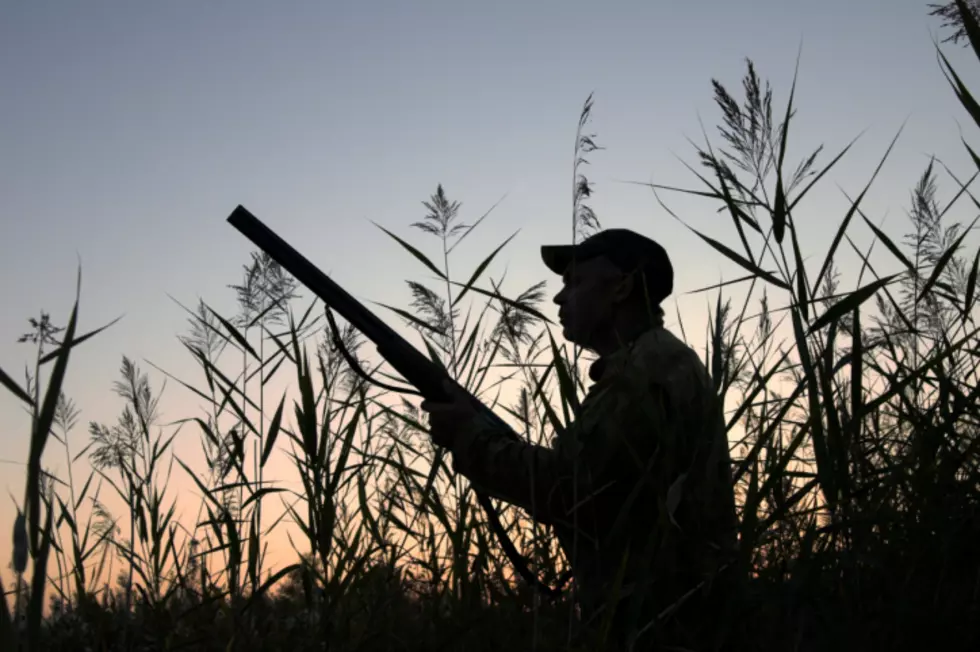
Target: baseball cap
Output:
[{"x": 626, "y": 249}]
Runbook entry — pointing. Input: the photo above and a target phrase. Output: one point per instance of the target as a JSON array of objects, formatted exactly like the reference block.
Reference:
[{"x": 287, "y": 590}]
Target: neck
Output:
[{"x": 627, "y": 329}]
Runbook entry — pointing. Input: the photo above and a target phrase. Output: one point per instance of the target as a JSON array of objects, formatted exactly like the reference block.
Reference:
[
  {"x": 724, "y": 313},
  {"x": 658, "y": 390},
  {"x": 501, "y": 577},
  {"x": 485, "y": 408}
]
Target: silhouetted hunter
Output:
[{"x": 641, "y": 479}]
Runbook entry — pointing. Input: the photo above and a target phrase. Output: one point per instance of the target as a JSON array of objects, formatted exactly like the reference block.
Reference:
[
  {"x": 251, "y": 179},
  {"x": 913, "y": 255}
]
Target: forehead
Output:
[{"x": 600, "y": 266}]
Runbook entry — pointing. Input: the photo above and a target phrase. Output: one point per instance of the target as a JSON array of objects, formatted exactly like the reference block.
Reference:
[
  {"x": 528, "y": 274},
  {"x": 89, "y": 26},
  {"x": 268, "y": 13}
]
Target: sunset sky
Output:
[{"x": 129, "y": 131}]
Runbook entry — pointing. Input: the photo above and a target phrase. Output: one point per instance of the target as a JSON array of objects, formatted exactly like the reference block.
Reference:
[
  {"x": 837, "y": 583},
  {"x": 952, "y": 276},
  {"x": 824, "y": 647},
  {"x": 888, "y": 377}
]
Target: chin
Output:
[{"x": 569, "y": 334}]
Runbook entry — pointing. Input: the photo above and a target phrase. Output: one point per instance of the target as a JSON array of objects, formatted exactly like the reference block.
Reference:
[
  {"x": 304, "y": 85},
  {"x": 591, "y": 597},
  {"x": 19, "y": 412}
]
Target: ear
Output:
[{"x": 624, "y": 288}]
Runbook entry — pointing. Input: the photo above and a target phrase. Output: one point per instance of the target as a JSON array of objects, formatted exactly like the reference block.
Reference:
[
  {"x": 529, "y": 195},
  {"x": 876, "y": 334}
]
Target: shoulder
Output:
[{"x": 661, "y": 359}]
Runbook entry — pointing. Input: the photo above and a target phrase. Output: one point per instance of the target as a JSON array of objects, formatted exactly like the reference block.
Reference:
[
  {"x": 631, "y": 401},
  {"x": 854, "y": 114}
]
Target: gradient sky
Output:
[{"x": 130, "y": 130}]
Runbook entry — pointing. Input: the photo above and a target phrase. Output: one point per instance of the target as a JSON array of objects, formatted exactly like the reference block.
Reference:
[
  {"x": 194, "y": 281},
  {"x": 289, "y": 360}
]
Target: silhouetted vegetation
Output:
[
  {"x": 951, "y": 14},
  {"x": 855, "y": 442}
]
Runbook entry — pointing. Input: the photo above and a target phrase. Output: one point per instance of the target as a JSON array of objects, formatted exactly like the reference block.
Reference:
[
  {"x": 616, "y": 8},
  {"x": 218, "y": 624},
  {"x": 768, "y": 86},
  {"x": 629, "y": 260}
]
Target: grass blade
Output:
[
  {"x": 971, "y": 286},
  {"x": 35, "y": 610},
  {"x": 415, "y": 252},
  {"x": 850, "y": 303},
  {"x": 742, "y": 262},
  {"x": 421, "y": 323},
  {"x": 891, "y": 245},
  {"x": 962, "y": 92},
  {"x": 54, "y": 354},
  {"x": 779, "y": 211},
  {"x": 235, "y": 333},
  {"x": 14, "y": 388},
  {"x": 481, "y": 268},
  {"x": 516, "y": 305},
  {"x": 273, "y": 433}
]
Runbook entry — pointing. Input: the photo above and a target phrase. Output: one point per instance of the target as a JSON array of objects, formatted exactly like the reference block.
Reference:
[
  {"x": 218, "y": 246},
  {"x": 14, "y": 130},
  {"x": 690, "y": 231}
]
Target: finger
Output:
[{"x": 441, "y": 408}]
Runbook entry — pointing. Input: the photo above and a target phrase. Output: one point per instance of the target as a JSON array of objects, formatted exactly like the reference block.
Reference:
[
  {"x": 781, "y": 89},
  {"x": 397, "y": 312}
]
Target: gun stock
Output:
[{"x": 421, "y": 372}]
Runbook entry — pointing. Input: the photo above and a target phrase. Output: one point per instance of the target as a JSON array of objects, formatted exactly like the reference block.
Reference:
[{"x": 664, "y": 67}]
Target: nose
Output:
[{"x": 560, "y": 297}]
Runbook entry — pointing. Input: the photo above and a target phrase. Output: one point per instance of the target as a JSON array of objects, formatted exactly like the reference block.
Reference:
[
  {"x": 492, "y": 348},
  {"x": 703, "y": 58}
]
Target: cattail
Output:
[{"x": 20, "y": 543}]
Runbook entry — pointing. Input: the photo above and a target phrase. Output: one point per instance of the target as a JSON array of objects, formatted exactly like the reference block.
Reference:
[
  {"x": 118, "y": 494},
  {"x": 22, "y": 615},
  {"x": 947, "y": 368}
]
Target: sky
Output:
[{"x": 130, "y": 130}]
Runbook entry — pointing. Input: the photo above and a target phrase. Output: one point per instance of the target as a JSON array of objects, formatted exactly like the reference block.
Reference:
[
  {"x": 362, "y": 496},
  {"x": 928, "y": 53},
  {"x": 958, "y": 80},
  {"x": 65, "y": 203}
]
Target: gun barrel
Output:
[
  {"x": 309, "y": 275},
  {"x": 417, "y": 369}
]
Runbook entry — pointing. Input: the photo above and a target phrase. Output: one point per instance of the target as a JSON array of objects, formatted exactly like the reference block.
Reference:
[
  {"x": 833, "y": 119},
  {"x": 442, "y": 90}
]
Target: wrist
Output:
[{"x": 466, "y": 445}]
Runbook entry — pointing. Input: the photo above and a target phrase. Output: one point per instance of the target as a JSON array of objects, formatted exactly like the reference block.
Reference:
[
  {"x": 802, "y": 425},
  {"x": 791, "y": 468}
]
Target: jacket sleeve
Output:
[
  {"x": 519, "y": 472},
  {"x": 612, "y": 446}
]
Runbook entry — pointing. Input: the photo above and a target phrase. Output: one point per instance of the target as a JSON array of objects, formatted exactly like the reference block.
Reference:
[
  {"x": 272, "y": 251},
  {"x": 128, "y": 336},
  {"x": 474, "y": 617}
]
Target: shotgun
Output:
[{"x": 420, "y": 371}]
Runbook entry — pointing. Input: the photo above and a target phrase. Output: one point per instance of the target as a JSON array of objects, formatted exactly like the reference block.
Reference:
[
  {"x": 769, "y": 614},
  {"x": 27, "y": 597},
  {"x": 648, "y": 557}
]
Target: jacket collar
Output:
[{"x": 605, "y": 364}]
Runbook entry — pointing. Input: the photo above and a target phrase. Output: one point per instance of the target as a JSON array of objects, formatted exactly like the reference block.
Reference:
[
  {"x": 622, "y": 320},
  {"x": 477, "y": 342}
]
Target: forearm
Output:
[{"x": 534, "y": 478}]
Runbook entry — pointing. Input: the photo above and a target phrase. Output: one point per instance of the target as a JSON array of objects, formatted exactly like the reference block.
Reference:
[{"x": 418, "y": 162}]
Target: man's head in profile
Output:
[{"x": 614, "y": 282}]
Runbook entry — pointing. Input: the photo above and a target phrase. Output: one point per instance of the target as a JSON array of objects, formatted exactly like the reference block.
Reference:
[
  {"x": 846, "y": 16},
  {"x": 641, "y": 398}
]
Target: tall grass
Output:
[{"x": 855, "y": 442}]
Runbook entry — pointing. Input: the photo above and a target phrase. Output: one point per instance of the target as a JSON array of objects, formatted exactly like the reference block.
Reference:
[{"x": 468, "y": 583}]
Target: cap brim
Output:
[{"x": 557, "y": 257}]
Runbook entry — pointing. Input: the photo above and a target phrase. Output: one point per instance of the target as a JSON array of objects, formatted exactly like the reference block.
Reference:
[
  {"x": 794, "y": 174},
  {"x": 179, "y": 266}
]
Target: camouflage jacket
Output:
[{"x": 644, "y": 469}]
